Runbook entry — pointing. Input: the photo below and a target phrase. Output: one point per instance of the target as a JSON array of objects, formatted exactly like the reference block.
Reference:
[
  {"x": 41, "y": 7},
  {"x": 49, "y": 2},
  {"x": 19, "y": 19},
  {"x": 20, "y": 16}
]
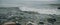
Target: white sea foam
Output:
[{"x": 43, "y": 11}]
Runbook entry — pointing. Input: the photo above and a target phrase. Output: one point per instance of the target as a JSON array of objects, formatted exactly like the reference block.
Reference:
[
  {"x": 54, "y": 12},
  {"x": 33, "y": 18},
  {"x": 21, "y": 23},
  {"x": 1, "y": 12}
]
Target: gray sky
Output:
[{"x": 26, "y": 2}]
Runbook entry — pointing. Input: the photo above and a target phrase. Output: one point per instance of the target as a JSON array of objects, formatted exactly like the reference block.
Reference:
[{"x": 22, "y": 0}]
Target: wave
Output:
[{"x": 43, "y": 11}]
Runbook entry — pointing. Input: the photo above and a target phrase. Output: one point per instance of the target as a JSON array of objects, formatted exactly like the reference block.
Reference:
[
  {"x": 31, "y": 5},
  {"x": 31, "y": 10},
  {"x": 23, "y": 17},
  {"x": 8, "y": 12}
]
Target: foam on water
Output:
[{"x": 43, "y": 11}]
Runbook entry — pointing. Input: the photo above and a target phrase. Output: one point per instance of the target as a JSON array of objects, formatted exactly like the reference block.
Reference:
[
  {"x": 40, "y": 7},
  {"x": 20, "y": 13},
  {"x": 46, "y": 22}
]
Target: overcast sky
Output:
[{"x": 26, "y": 2}]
